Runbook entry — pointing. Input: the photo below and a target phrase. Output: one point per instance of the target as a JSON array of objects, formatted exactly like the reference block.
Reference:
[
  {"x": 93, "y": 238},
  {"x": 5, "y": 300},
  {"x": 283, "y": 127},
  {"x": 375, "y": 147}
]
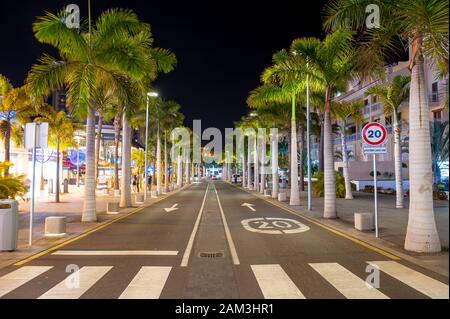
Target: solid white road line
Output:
[
  {"x": 187, "y": 252},
  {"x": 147, "y": 284},
  {"x": 275, "y": 283},
  {"x": 115, "y": 253},
  {"x": 347, "y": 283},
  {"x": 19, "y": 277},
  {"x": 75, "y": 285},
  {"x": 230, "y": 241},
  {"x": 424, "y": 284}
]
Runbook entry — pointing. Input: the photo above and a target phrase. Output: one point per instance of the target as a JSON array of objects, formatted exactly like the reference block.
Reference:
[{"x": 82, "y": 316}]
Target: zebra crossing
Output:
[{"x": 272, "y": 280}]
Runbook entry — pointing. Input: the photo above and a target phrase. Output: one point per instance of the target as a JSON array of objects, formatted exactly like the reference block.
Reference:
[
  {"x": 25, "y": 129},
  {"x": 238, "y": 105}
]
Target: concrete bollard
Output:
[
  {"x": 117, "y": 193},
  {"x": 267, "y": 192},
  {"x": 282, "y": 197},
  {"x": 113, "y": 208},
  {"x": 139, "y": 199},
  {"x": 154, "y": 194},
  {"x": 105, "y": 191},
  {"x": 55, "y": 226},
  {"x": 364, "y": 221}
]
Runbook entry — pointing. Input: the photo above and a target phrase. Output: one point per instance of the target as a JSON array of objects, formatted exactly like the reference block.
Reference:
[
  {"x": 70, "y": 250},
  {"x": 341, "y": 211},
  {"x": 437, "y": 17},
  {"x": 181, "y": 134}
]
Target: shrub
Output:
[
  {"x": 318, "y": 186},
  {"x": 11, "y": 186}
]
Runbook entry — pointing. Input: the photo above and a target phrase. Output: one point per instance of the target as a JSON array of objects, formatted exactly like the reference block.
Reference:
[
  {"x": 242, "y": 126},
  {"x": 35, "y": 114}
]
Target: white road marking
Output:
[
  {"x": 424, "y": 284},
  {"x": 147, "y": 284},
  {"x": 115, "y": 253},
  {"x": 275, "y": 283},
  {"x": 274, "y": 226},
  {"x": 249, "y": 206},
  {"x": 19, "y": 277},
  {"x": 171, "y": 209},
  {"x": 187, "y": 253},
  {"x": 71, "y": 289},
  {"x": 230, "y": 241},
  {"x": 347, "y": 283}
]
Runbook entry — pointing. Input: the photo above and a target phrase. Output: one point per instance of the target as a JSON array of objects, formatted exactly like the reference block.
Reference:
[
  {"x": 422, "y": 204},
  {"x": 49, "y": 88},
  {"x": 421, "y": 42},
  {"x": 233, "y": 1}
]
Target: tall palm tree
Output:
[
  {"x": 342, "y": 112},
  {"x": 61, "y": 136},
  {"x": 330, "y": 62},
  {"x": 423, "y": 24},
  {"x": 392, "y": 97},
  {"x": 16, "y": 108},
  {"x": 108, "y": 51}
]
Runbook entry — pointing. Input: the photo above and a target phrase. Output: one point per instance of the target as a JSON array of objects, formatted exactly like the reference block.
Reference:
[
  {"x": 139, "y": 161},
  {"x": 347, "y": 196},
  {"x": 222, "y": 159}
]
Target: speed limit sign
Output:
[{"x": 374, "y": 134}]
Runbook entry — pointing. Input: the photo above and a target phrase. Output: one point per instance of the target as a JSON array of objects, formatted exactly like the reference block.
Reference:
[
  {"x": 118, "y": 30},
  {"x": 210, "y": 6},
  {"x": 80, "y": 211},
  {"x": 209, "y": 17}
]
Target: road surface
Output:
[{"x": 215, "y": 241}]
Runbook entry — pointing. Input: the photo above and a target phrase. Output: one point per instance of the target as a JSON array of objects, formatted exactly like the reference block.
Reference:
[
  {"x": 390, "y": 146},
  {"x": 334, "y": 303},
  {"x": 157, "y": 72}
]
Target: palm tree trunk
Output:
[
  {"x": 249, "y": 164},
  {"x": 58, "y": 187},
  {"x": 180, "y": 171},
  {"x": 329, "y": 177},
  {"x": 7, "y": 144},
  {"x": 289, "y": 141},
  {"x": 116, "y": 150},
  {"x": 321, "y": 145},
  {"x": 275, "y": 186},
  {"x": 301, "y": 147},
  {"x": 89, "y": 211},
  {"x": 256, "y": 169},
  {"x": 263, "y": 164},
  {"x": 125, "y": 196},
  {"x": 348, "y": 185},
  {"x": 158, "y": 163},
  {"x": 398, "y": 164},
  {"x": 421, "y": 235},
  {"x": 295, "y": 195},
  {"x": 187, "y": 168},
  {"x": 97, "y": 146},
  {"x": 244, "y": 181},
  {"x": 166, "y": 166}
]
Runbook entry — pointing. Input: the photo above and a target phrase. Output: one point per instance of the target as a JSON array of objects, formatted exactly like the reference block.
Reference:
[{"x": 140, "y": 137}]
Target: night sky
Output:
[{"x": 222, "y": 46}]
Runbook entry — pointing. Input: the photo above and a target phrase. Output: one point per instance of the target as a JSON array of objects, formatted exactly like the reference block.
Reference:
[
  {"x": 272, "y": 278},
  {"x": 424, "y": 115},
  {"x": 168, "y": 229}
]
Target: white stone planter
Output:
[
  {"x": 282, "y": 197},
  {"x": 139, "y": 199},
  {"x": 113, "y": 208},
  {"x": 9, "y": 224}
]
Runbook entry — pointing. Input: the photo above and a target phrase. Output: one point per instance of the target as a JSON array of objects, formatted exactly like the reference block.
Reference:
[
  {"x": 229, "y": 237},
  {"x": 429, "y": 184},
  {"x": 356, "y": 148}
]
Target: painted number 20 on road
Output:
[{"x": 274, "y": 226}]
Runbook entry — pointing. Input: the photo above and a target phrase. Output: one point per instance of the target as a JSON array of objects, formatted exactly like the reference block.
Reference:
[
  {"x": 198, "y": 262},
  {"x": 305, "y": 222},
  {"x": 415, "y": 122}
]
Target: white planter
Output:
[{"x": 9, "y": 225}]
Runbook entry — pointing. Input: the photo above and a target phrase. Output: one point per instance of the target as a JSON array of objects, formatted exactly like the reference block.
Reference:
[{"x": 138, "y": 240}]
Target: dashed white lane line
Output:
[
  {"x": 19, "y": 277},
  {"x": 147, "y": 284},
  {"x": 275, "y": 283},
  {"x": 347, "y": 283},
  {"x": 424, "y": 284},
  {"x": 230, "y": 241},
  {"x": 187, "y": 253},
  {"x": 75, "y": 285}
]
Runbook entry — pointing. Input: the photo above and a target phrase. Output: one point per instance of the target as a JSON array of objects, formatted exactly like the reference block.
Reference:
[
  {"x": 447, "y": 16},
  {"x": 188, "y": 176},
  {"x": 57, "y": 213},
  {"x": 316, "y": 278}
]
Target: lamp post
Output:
[{"x": 149, "y": 95}]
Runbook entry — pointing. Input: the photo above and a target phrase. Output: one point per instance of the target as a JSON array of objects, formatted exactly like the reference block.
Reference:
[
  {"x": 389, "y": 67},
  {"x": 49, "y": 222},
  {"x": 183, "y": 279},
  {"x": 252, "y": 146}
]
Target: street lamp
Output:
[
  {"x": 149, "y": 95},
  {"x": 78, "y": 139}
]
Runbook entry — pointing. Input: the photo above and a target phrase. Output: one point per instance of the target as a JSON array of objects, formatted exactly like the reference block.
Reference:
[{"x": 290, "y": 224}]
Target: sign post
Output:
[
  {"x": 374, "y": 136},
  {"x": 36, "y": 136}
]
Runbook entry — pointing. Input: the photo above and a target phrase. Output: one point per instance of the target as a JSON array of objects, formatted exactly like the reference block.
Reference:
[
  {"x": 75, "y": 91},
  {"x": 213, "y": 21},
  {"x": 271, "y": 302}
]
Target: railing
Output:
[
  {"x": 376, "y": 108},
  {"x": 433, "y": 97}
]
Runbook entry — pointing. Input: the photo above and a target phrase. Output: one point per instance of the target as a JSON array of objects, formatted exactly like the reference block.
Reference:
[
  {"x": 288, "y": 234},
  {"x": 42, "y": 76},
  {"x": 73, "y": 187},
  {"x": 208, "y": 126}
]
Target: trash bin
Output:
[
  {"x": 66, "y": 186},
  {"x": 9, "y": 224}
]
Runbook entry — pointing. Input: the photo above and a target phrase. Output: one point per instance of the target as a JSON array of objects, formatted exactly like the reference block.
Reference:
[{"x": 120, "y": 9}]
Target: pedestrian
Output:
[
  {"x": 134, "y": 182},
  {"x": 149, "y": 182}
]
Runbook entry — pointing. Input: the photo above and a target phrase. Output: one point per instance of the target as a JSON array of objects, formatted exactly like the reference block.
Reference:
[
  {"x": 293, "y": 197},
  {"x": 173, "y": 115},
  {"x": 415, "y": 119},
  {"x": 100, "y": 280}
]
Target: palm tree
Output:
[
  {"x": 16, "y": 108},
  {"x": 331, "y": 63},
  {"x": 392, "y": 97},
  {"x": 109, "y": 51},
  {"x": 423, "y": 24},
  {"x": 61, "y": 136},
  {"x": 342, "y": 111}
]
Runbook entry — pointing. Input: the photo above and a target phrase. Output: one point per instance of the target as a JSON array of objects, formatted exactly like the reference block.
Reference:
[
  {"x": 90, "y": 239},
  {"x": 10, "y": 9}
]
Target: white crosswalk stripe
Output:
[
  {"x": 147, "y": 284},
  {"x": 424, "y": 284},
  {"x": 347, "y": 283},
  {"x": 275, "y": 283},
  {"x": 19, "y": 277},
  {"x": 75, "y": 285}
]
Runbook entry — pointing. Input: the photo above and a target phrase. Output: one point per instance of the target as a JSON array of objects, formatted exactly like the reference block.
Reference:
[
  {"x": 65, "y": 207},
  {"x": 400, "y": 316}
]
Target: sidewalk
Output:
[
  {"x": 71, "y": 206},
  {"x": 392, "y": 221}
]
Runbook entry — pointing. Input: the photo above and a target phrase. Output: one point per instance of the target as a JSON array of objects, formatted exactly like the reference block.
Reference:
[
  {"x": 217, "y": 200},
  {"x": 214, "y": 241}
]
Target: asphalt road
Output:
[{"x": 213, "y": 240}]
